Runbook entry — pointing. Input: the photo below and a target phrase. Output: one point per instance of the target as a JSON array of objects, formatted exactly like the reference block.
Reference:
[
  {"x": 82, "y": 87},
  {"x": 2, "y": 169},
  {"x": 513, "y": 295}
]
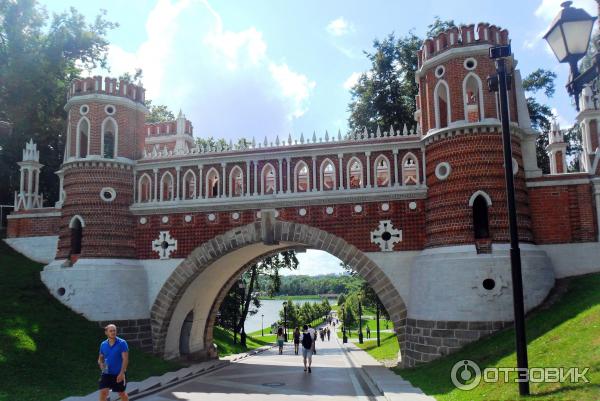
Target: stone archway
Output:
[{"x": 250, "y": 237}]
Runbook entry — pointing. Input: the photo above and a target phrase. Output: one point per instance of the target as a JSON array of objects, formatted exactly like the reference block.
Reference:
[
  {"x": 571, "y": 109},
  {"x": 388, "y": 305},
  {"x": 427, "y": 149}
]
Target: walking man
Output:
[
  {"x": 307, "y": 347},
  {"x": 113, "y": 361},
  {"x": 368, "y": 332}
]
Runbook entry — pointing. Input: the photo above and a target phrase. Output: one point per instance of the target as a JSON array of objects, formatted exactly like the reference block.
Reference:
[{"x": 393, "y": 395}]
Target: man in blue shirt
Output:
[{"x": 113, "y": 361}]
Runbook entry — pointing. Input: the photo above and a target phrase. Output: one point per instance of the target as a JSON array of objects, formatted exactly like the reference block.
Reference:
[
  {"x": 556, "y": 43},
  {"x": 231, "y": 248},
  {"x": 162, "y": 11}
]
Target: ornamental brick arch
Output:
[{"x": 236, "y": 250}]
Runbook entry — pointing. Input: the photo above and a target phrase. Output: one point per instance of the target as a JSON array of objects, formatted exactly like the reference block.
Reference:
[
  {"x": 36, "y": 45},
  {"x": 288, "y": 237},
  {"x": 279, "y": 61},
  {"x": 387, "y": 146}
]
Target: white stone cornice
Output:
[
  {"x": 108, "y": 99},
  {"x": 461, "y": 51},
  {"x": 282, "y": 200},
  {"x": 555, "y": 182},
  {"x": 469, "y": 128}
]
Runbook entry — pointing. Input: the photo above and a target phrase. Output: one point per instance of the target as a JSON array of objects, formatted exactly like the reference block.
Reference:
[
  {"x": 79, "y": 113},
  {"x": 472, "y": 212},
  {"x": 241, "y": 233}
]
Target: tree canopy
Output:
[{"x": 39, "y": 56}]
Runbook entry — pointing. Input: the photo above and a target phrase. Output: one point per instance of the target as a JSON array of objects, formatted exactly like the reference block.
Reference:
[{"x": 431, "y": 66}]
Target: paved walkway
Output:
[{"x": 269, "y": 376}]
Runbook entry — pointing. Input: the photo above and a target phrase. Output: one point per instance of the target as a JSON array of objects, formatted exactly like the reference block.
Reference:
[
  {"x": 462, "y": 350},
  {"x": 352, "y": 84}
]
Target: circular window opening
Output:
[
  {"x": 108, "y": 194},
  {"x": 470, "y": 63},
  {"x": 61, "y": 291},
  {"x": 489, "y": 284},
  {"x": 84, "y": 109},
  {"x": 439, "y": 72},
  {"x": 442, "y": 170},
  {"x": 164, "y": 245},
  {"x": 110, "y": 109},
  {"x": 386, "y": 236}
]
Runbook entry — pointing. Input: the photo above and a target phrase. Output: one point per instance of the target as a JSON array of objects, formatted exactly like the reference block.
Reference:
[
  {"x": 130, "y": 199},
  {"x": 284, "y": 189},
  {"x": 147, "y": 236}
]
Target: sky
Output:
[{"x": 273, "y": 68}]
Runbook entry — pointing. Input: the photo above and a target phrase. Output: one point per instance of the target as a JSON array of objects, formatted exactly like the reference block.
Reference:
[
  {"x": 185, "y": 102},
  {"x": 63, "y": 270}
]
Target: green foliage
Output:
[
  {"x": 48, "y": 351},
  {"x": 298, "y": 315},
  {"x": 563, "y": 335},
  {"x": 387, "y": 351},
  {"x": 224, "y": 341},
  {"x": 438, "y": 26},
  {"x": 341, "y": 299},
  {"x": 39, "y": 56},
  {"x": 319, "y": 285},
  {"x": 158, "y": 113},
  {"x": 385, "y": 95}
]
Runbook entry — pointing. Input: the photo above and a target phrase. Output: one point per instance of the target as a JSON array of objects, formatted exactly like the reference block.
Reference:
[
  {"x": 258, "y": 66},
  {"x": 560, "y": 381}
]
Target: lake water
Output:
[{"x": 270, "y": 308}]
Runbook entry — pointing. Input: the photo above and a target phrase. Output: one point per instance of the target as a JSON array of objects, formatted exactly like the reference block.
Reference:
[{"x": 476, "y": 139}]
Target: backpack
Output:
[{"x": 307, "y": 340}]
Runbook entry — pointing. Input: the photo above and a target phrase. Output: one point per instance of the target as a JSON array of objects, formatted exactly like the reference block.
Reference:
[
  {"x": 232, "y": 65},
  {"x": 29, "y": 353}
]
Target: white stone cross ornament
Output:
[
  {"x": 386, "y": 236},
  {"x": 164, "y": 245}
]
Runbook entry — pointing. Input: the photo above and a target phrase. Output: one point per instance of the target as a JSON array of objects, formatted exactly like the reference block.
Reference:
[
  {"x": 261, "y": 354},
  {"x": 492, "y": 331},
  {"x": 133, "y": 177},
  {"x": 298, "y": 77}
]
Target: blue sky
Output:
[{"x": 266, "y": 68}]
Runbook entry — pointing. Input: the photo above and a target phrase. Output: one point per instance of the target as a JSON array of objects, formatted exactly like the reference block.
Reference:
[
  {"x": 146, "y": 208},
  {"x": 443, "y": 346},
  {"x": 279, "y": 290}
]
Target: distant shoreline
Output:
[{"x": 294, "y": 297}]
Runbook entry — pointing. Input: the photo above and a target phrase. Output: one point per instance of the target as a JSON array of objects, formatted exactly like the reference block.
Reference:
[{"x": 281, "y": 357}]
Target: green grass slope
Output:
[
  {"x": 48, "y": 352},
  {"x": 565, "y": 335}
]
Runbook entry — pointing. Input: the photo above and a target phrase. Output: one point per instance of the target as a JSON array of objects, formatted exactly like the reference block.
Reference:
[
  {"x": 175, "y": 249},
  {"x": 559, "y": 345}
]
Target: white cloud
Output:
[
  {"x": 351, "y": 80},
  {"x": 314, "y": 262},
  {"x": 191, "y": 61},
  {"x": 339, "y": 27},
  {"x": 548, "y": 9}
]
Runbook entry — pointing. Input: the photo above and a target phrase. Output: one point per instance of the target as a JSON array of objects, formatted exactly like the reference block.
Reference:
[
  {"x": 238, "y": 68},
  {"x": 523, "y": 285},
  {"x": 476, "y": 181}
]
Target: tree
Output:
[
  {"x": 247, "y": 302},
  {"x": 341, "y": 300},
  {"x": 158, "y": 113},
  {"x": 39, "y": 56},
  {"x": 385, "y": 95}
]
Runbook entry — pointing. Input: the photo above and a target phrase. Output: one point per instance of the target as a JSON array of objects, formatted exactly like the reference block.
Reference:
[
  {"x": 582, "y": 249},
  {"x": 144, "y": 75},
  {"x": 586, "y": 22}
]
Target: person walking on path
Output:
[
  {"x": 328, "y": 334},
  {"x": 280, "y": 339},
  {"x": 307, "y": 348},
  {"x": 113, "y": 361},
  {"x": 368, "y": 332},
  {"x": 313, "y": 334},
  {"x": 296, "y": 340}
]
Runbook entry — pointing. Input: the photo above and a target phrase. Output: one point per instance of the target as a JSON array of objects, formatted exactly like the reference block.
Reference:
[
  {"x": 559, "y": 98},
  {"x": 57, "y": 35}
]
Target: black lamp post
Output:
[
  {"x": 569, "y": 39},
  {"x": 499, "y": 83},
  {"x": 262, "y": 325},
  {"x": 242, "y": 287},
  {"x": 377, "y": 317},
  {"x": 360, "y": 334},
  {"x": 285, "y": 320},
  {"x": 344, "y": 337}
]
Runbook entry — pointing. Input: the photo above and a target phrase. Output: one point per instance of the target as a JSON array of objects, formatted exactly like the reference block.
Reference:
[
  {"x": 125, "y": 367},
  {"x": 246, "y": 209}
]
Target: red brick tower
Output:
[
  {"x": 460, "y": 121},
  {"x": 104, "y": 137}
]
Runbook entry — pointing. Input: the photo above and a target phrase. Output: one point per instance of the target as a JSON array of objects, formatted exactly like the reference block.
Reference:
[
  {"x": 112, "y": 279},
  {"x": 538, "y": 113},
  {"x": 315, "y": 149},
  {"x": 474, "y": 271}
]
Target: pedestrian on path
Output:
[
  {"x": 296, "y": 340},
  {"x": 113, "y": 361},
  {"x": 313, "y": 334},
  {"x": 328, "y": 334},
  {"x": 368, "y": 332},
  {"x": 280, "y": 339},
  {"x": 307, "y": 347}
]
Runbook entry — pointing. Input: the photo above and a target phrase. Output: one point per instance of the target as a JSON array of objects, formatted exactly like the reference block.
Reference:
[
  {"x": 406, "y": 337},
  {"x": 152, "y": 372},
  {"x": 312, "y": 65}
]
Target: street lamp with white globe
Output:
[{"x": 569, "y": 39}]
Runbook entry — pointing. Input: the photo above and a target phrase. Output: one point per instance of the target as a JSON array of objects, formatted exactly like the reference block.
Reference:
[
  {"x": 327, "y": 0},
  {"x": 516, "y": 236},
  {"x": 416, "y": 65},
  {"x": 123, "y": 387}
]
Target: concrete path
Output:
[{"x": 269, "y": 376}]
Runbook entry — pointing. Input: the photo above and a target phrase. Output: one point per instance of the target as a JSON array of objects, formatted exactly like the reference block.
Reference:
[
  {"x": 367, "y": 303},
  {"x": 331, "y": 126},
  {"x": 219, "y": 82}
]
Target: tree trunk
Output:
[{"x": 246, "y": 306}]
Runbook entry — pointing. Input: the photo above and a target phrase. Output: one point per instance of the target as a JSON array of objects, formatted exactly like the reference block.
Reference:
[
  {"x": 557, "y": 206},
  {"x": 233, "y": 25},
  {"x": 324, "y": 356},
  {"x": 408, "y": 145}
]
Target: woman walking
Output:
[
  {"x": 280, "y": 339},
  {"x": 296, "y": 340}
]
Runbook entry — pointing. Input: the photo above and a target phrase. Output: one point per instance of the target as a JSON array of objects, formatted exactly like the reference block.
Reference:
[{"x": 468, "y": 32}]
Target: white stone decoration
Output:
[
  {"x": 235, "y": 216},
  {"x": 440, "y": 71},
  {"x": 385, "y": 206},
  {"x": 515, "y": 166},
  {"x": 211, "y": 217},
  {"x": 143, "y": 220},
  {"x": 470, "y": 63},
  {"x": 164, "y": 245},
  {"x": 412, "y": 205},
  {"x": 302, "y": 211},
  {"x": 84, "y": 109},
  {"x": 358, "y": 208},
  {"x": 165, "y": 219},
  {"x": 276, "y": 213},
  {"x": 108, "y": 194},
  {"x": 443, "y": 170},
  {"x": 489, "y": 273},
  {"x": 110, "y": 109},
  {"x": 329, "y": 210},
  {"x": 258, "y": 214},
  {"x": 187, "y": 218},
  {"x": 386, "y": 236}
]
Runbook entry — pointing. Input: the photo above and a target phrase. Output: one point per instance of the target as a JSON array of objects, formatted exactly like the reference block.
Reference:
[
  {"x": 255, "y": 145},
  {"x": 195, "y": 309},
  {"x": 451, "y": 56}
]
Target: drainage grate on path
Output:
[{"x": 276, "y": 384}]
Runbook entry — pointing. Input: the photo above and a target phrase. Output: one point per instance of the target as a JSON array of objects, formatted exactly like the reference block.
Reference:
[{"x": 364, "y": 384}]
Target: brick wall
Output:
[
  {"x": 477, "y": 163},
  {"x": 33, "y": 226},
  {"x": 108, "y": 225},
  {"x": 344, "y": 222},
  {"x": 563, "y": 214}
]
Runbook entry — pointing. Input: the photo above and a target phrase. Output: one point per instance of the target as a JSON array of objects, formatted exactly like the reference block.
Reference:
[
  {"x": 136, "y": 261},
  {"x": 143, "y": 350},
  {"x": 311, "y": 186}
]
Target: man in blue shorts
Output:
[{"x": 113, "y": 361}]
